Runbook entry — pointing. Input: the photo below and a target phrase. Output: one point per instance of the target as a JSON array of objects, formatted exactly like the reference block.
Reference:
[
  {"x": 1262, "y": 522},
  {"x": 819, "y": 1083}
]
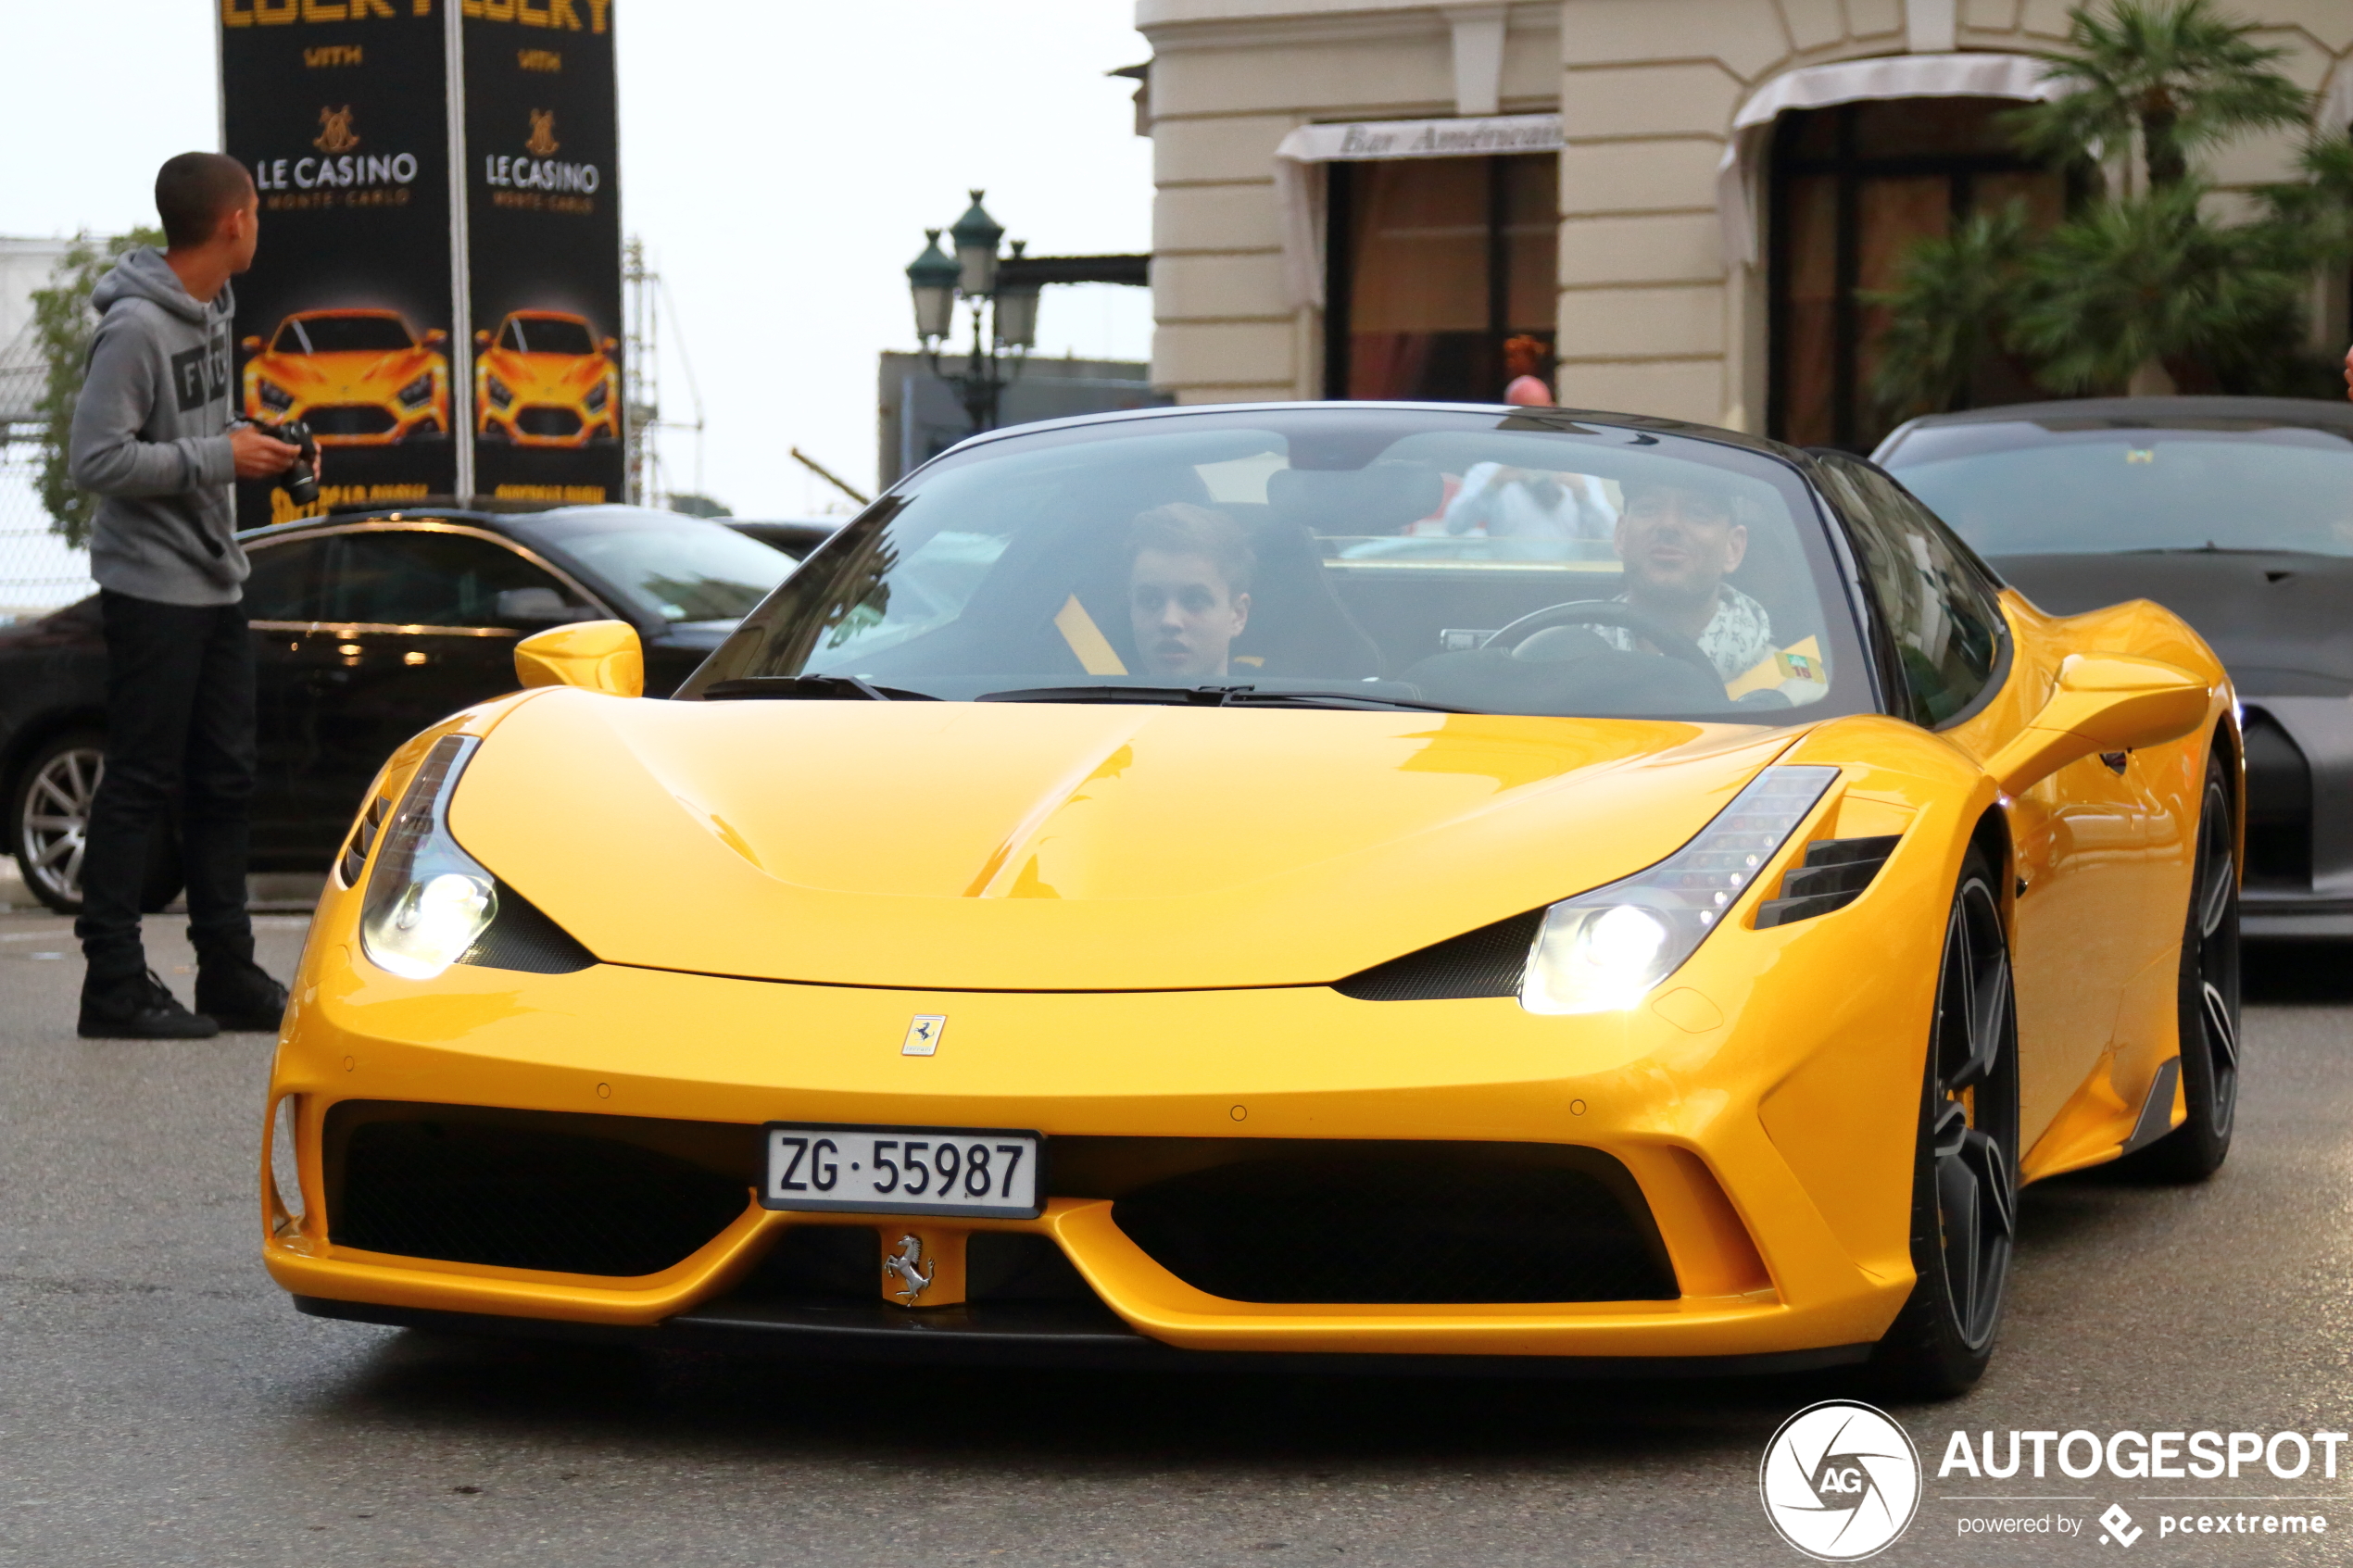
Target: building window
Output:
[
  {"x": 1435, "y": 264},
  {"x": 1854, "y": 188}
]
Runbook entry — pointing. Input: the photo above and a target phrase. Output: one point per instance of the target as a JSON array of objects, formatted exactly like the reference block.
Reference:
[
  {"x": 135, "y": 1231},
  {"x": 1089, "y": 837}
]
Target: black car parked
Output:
[
  {"x": 2237, "y": 514},
  {"x": 794, "y": 536},
  {"x": 366, "y": 627}
]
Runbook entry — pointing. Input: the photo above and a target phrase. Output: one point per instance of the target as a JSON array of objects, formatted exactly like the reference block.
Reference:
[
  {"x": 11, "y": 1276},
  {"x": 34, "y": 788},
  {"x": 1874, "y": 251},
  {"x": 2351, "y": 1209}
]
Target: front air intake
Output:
[
  {"x": 1404, "y": 1224},
  {"x": 2278, "y": 808},
  {"x": 577, "y": 1194},
  {"x": 1835, "y": 872}
]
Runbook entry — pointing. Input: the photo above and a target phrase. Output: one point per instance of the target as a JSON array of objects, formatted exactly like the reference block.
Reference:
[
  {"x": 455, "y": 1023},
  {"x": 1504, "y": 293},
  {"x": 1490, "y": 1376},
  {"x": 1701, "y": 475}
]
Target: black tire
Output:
[
  {"x": 2206, "y": 1001},
  {"x": 48, "y": 814},
  {"x": 1965, "y": 1161}
]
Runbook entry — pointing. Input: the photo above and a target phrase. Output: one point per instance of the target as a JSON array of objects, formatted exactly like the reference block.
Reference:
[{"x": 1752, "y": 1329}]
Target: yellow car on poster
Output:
[
  {"x": 544, "y": 379},
  {"x": 357, "y": 378},
  {"x": 1126, "y": 899}
]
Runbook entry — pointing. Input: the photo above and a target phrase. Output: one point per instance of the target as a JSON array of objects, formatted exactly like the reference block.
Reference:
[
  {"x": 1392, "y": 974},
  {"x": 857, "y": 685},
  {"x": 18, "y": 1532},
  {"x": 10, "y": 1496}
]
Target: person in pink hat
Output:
[{"x": 1523, "y": 354}]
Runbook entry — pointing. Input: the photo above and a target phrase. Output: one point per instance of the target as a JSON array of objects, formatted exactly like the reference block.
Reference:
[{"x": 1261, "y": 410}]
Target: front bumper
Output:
[{"x": 1770, "y": 1130}]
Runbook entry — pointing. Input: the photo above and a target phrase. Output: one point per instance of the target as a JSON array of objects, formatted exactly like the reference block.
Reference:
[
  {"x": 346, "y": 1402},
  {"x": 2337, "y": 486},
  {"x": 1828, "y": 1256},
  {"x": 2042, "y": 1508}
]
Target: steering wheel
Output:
[{"x": 1670, "y": 643}]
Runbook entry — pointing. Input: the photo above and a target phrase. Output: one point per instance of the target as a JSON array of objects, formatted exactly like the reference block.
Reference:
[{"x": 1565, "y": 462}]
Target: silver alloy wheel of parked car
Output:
[{"x": 53, "y": 825}]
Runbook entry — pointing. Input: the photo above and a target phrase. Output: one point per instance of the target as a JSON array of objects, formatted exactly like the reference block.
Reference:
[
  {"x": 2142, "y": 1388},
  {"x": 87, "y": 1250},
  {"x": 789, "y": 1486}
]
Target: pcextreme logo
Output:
[{"x": 1840, "y": 1481}]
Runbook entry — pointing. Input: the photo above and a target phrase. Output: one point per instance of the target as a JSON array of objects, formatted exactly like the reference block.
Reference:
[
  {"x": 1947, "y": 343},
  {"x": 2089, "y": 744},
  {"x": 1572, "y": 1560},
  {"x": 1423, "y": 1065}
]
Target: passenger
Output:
[
  {"x": 1678, "y": 544},
  {"x": 1188, "y": 590}
]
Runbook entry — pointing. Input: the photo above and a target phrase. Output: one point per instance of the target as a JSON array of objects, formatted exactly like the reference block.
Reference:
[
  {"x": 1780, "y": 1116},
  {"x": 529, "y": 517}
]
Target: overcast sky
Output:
[{"x": 781, "y": 160}]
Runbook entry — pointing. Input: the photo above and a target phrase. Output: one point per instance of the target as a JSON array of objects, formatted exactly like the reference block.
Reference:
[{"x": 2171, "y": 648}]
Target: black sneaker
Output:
[
  {"x": 138, "y": 1007},
  {"x": 238, "y": 995}
]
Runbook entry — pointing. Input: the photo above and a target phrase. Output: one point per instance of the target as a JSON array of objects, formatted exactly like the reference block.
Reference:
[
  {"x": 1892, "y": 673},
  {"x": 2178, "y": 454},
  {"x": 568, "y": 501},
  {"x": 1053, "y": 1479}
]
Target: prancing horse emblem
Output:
[{"x": 907, "y": 1268}]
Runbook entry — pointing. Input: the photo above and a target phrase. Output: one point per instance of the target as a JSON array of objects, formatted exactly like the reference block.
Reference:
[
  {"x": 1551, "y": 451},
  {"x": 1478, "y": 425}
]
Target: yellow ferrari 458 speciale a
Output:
[{"x": 1272, "y": 884}]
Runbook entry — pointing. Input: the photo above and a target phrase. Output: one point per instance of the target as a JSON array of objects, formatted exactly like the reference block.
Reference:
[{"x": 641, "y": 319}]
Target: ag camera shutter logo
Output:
[{"x": 1840, "y": 1481}]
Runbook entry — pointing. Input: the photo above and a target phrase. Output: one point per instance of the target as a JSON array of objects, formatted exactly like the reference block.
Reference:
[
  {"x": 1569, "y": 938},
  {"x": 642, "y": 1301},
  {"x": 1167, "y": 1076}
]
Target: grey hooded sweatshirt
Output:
[{"x": 150, "y": 438}]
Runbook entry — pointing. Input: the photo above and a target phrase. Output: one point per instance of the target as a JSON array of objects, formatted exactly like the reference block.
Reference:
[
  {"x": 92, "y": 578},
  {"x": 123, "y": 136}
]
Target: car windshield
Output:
[
  {"x": 344, "y": 334},
  {"x": 2057, "y": 487},
  {"x": 541, "y": 334},
  {"x": 678, "y": 567},
  {"x": 1339, "y": 555}
]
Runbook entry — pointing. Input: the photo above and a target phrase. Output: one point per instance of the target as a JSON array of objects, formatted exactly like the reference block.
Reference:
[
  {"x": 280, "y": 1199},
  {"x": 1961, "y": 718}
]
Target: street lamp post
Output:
[{"x": 1004, "y": 310}]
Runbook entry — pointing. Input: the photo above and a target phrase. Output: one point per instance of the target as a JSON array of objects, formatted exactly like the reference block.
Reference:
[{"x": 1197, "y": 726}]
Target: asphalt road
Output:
[{"x": 161, "y": 1403}]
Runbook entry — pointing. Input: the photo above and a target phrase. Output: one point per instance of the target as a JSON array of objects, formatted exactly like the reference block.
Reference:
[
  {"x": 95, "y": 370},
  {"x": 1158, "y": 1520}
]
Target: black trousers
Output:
[{"x": 179, "y": 718}]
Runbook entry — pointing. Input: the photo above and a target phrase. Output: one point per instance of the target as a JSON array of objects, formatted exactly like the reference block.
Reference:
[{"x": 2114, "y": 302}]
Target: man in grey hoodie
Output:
[{"x": 152, "y": 438}]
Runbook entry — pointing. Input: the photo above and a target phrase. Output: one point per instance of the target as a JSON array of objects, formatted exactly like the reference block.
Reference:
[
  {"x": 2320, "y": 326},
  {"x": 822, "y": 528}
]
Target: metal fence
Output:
[{"x": 38, "y": 571}]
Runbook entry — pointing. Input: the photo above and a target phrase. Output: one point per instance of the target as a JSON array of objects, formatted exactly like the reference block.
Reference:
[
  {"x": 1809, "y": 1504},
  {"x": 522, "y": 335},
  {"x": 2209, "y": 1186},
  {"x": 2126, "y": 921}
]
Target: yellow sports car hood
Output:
[{"x": 1049, "y": 847}]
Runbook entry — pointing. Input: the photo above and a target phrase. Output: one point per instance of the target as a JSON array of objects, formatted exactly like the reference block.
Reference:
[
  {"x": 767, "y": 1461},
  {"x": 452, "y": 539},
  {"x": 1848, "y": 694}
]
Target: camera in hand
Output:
[
  {"x": 302, "y": 475},
  {"x": 301, "y": 478}
]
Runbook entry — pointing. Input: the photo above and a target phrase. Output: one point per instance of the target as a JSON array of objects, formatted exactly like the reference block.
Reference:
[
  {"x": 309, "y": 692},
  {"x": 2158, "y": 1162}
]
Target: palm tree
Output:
[
  {"x": 2173, "y": 73},
  {"x": 1949, "y": 312},
  {"x": 2114, "y": 297},
  {"x": 2313, "y": 216},
  {"x": 2130, "y": 293}
]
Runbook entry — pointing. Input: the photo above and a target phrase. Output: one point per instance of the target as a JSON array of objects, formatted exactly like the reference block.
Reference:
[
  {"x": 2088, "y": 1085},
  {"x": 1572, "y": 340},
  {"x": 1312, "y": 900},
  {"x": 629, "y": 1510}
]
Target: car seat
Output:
[
  {"x": 1775, "y": 574},
  {"x": 1299, "y": 628}
]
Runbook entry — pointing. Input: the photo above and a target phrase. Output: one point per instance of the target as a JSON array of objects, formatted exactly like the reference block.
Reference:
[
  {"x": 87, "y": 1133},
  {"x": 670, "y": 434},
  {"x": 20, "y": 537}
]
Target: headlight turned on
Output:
[
  {"x": 1609, "y": 948},
  {"x": 428, "y": 900}
]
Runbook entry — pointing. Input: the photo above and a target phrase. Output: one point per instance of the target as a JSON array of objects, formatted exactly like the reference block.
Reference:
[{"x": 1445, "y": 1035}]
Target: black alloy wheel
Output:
[
  {"x": 2207, "y": 999},
  {"x": 1964, "y": 1171}
]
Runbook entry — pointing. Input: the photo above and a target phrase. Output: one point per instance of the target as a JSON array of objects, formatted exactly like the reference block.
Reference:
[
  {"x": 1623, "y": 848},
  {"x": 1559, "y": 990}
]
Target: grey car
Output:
[{"x": 2235, "y": 513}]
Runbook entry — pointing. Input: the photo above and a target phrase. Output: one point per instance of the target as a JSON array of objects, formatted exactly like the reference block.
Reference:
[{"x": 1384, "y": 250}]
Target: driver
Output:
[
  {"x": 1679, "y": 544},
  {"x": 1188, "y": 590}
]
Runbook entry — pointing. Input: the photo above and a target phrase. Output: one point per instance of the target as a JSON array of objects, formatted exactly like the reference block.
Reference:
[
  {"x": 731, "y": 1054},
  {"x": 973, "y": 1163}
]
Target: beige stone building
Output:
[{"x": 1676, "y": 204}]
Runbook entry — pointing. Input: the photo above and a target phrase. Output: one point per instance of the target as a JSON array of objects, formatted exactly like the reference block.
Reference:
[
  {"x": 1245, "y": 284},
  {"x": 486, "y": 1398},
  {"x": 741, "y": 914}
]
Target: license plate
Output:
[{"x": 902, "y": 1170}]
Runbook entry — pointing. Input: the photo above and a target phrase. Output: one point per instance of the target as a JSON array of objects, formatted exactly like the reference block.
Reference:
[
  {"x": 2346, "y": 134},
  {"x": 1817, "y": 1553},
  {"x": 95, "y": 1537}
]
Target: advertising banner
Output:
[
  {"x": 543, "y": 218},
  {"x": 345, "y": 321},
  {"x": 434, "y": 350}
]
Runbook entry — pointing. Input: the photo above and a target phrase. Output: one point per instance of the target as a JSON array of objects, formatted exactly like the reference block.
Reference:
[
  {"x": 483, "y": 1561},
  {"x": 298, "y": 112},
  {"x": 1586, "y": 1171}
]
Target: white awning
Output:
[
  {"x": 1299, "y": 193},
  {"x": 1849, "y": 81}
]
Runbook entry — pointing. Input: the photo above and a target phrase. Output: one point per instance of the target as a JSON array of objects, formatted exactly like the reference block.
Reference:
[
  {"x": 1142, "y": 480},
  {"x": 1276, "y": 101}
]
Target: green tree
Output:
[
  {"x": 2312, "y": 217},
  {"x": 64, "y": 324},
  {"x": 2145, "y": 292},
  {"x": 2171, "y": 75},
  {"x": 2131, "y": 287},
  {"x": 1952, "y": 305}
]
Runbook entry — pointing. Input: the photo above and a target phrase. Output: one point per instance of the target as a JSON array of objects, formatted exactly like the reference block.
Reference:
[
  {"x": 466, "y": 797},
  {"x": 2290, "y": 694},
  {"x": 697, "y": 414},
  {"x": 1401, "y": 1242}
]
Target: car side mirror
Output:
[
  {"x": 612, "y": 344},
  {"x": 2103, "y": 702},
  {"x": 481, "y": 340},
  {"x": 251, "y": 344},
  {"x": 436, "y": 337},
  {"x": 596, "y": 656}
]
